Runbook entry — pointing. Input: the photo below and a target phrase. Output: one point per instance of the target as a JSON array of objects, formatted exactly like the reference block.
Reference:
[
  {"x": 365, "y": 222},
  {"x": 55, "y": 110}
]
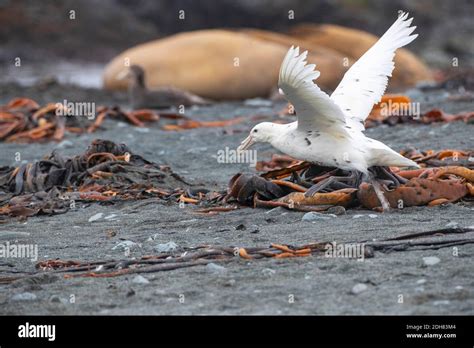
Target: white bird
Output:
[{"x": 329, "y": 129}]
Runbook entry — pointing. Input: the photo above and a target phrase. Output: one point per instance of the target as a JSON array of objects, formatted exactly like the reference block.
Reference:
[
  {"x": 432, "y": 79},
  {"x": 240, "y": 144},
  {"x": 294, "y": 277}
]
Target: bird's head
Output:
[{"x": 262, "y": 133}]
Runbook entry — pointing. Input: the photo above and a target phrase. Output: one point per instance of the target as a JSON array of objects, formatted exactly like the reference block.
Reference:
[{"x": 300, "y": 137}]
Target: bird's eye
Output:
[{"x": 255, "y": 130}]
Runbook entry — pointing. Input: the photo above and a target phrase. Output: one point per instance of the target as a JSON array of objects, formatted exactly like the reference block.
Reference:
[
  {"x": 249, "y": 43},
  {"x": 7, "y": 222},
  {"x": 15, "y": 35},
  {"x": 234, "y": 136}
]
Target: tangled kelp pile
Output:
[
  {"x": 107, "y": 172},
  {"x": 104, "y": 172},
  {"x": 445, "y": 176},
  {"x": 23, "y": 120}
]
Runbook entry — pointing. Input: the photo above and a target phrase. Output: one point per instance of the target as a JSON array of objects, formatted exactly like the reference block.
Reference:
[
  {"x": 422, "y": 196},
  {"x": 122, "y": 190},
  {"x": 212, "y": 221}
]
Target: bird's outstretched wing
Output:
[
  {"x": 365, "y": 82},
  {"x": 314, "y": 108}
]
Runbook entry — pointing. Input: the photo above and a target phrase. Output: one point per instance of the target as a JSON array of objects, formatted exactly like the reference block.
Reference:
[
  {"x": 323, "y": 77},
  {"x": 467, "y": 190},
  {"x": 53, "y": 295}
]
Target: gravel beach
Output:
[{"x": 405, "y": 281}]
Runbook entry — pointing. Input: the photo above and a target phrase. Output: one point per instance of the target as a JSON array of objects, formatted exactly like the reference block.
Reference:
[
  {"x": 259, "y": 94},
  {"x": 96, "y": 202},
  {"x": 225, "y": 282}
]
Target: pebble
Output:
[
  {"x": 57, "y": 299},
  {"x": 431, "y": 260},
  {"x": 452, "y": 224},
  {"x": 166, "y": 247},
  {"x": 152, "y": 238},
  {"x": 126, "y": 244},
  {"x": 421, "y": 281},
  {"x": 268, "y": 272},
  {"x": 65, "y": 144},
  {"x": 372, "y": 216},
  {"x": 96, "y": 217},
  {"x": 231, "y": 282},
  {"x": 358, "y": 288},
  {"x": 337, "y": 210},
  {"x": 140, "y": 280},
  {"x": 214, "y": 268},
  {"x": 314, "y": 216},
  {"x": 24, "y": 296},
  {"x": 111, "y": 216},
  {"x": 253, "y": 229}
]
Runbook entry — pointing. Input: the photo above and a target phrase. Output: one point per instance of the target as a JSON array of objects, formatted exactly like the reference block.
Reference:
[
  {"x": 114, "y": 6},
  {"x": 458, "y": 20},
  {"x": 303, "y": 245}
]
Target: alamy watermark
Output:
[
  {"x": 345, "y": 250},
  {"x": 400, "y": 109},
  {"x": 228, "y": 155},
  {"x": 28, "y": 330},
  {"x": 67, "y": 108},
  {"x": 27, "y": 251}
]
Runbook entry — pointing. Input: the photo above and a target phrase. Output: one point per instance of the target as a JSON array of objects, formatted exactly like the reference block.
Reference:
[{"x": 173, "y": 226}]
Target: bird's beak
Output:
[
  {"x": 123, "y": 74},
  {"x": 245, "y": 144}
]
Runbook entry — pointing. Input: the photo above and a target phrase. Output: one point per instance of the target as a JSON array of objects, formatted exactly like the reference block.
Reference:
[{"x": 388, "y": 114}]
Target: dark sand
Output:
[{"x": 318, "y": 285}]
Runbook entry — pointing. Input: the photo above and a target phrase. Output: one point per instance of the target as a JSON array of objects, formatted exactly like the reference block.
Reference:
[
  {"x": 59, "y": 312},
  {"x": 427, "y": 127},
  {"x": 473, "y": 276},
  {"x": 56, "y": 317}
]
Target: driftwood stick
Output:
[{"x": 429, "y": 233}]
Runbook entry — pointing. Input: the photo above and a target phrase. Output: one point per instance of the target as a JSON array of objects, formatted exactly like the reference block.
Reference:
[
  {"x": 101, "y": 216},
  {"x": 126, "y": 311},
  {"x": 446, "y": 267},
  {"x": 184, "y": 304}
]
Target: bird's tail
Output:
[{"x": 389, "y": 158}]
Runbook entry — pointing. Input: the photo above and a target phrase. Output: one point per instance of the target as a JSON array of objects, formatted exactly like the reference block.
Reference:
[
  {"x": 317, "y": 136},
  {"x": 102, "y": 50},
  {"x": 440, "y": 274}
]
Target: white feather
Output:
[
  {"x": 365, "y": 82},
  {"x": 314, "y": 108}
]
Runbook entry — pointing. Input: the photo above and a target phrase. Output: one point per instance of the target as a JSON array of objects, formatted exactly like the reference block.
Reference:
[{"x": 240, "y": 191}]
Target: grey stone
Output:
[
  {"x": 65, "y": 144},
  {"x": 166, "y": 247},
  {"x": 214, "y": 268},
  {"x": 24, "y": 296},
  {"x": 126, "y": 244},
  {"x": 337, "y": 210},
  {"x": 358, "y": 288},
  {"x": 140, "y": 280},
  {"x": 111, "y": 217},
  {"x": 371, "y": 216},
  {"x": 55, "y": 299},
  {"x": 431, "y": 260},
  {"x": 314, "y": 216},
  {"x": 268, "y": 272},
  {"x": 96, "y": 217}
]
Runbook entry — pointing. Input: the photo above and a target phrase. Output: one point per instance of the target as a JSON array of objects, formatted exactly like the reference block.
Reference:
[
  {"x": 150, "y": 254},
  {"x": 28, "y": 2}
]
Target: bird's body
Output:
[
  {"x": 335, "y": 150},
  {"x": 329, "y": 129}
]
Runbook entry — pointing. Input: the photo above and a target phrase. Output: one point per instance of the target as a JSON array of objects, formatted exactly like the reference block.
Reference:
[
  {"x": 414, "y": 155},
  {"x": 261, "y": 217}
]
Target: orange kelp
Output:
[{"x": 445, "y": 176}]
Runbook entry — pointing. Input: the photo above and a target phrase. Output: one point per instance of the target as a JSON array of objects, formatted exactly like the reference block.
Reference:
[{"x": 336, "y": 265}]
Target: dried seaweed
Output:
[
  {"x": 205, "y": 254},
  {"x": 23, "y": 120},
  {"x": 104, "y": 172},
  {"x": 288, "y": 180}
]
